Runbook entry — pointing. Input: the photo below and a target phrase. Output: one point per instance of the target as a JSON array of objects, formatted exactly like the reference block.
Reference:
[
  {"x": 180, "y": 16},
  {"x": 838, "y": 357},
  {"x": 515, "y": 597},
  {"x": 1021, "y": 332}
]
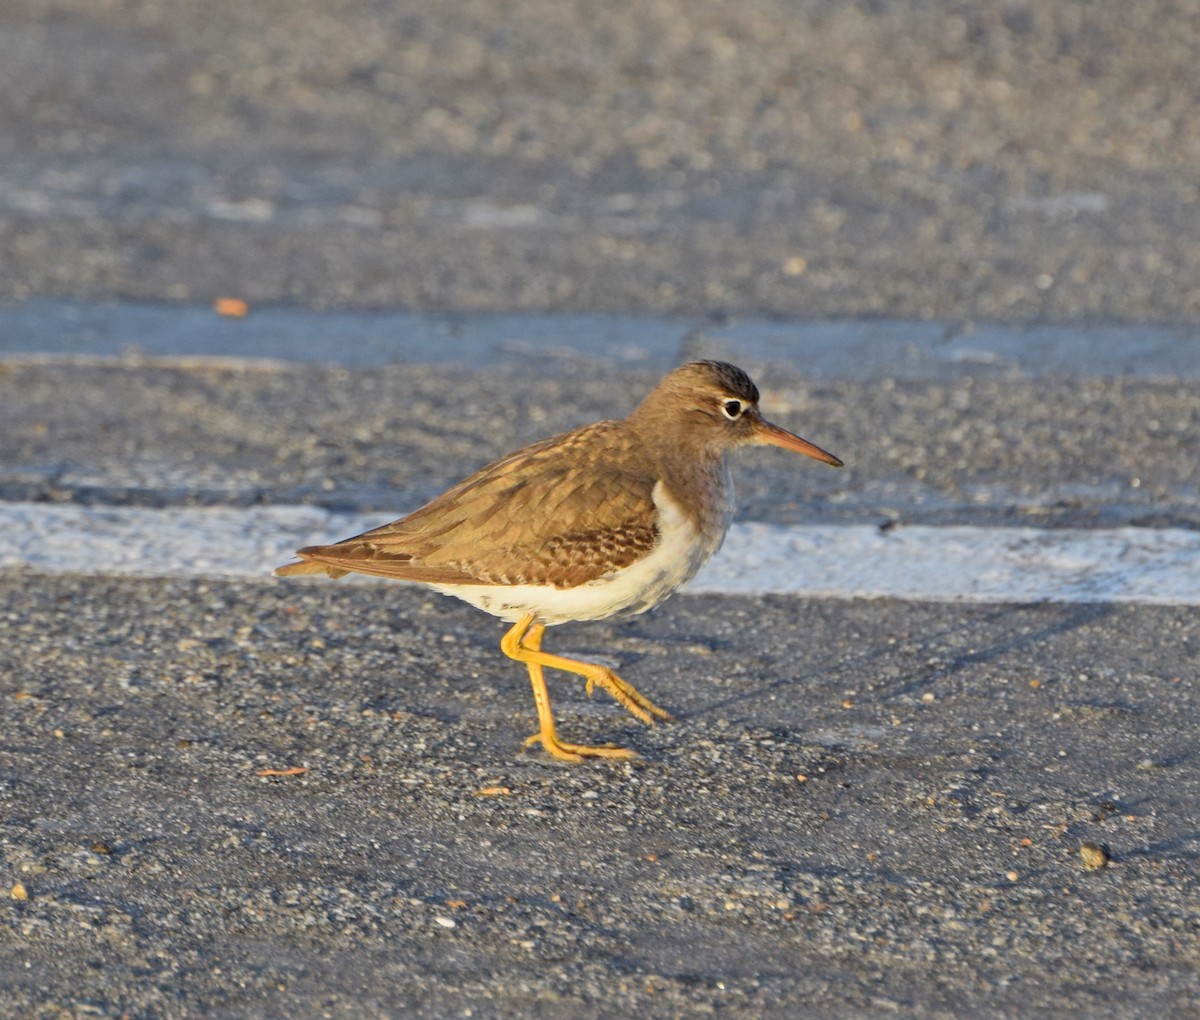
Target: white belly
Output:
[{"x": 681, "y": 550}]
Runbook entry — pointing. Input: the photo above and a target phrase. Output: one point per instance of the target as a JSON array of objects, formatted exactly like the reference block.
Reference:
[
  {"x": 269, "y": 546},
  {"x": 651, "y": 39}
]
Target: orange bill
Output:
[{"x": 773, "y": 435}]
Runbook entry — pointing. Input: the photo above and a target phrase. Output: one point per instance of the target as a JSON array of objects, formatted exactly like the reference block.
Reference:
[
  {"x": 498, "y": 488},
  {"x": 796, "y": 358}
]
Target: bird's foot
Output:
[
  {"x": 625, "y": 694},
  {"x": 578, "y": 752}
]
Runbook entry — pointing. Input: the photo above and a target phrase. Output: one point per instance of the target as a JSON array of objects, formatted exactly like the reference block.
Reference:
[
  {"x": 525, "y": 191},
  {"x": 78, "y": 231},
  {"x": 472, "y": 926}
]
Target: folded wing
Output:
[{"x": 548, "y": 514}]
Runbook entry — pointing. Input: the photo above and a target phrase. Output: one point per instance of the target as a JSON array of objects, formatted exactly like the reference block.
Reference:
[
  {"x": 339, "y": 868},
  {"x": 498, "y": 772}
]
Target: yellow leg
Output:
[{"x": 524, "y": 644}]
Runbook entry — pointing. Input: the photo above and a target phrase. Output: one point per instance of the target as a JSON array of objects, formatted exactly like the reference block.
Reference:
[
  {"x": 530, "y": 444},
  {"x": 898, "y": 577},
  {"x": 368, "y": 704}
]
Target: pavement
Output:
[
  {"x": 240, "y": 797},
  {"x": 1024, "y": 161}
]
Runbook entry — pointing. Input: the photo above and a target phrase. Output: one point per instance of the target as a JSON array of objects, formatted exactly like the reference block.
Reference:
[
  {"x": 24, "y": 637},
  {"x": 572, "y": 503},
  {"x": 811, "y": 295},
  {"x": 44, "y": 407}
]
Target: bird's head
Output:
[{"x": 715, "y": 405}]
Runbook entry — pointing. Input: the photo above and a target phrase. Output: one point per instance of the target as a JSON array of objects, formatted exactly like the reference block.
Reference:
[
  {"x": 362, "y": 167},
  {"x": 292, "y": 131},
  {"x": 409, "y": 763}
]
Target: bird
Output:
[{"x": 603, "y": 521}]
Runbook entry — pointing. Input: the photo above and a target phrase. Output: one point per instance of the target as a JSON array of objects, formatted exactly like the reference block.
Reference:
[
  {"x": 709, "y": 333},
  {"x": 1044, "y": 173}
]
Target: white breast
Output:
[{"x": 680, "y": 551}]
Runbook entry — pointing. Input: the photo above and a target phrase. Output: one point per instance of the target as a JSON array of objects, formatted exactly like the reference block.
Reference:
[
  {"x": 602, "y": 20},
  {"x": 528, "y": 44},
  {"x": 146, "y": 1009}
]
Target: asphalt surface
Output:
[
  {"x": 957, "y": 761},
  {"x": 864, "y": 808},
  {"x": 1073, "y": 452},
  {"x": 922, "y": 159}
]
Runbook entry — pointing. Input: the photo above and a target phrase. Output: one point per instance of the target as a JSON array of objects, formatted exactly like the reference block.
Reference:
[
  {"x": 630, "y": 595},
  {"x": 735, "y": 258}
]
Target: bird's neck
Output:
[
  {"x": 700, "y": 485},
  {"x": 694, "y": 472}
]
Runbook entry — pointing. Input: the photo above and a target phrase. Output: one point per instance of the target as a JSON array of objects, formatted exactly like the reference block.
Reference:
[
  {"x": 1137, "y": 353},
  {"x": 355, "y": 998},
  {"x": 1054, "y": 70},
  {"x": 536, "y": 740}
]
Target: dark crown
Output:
[{"x": 732, "y": 380}]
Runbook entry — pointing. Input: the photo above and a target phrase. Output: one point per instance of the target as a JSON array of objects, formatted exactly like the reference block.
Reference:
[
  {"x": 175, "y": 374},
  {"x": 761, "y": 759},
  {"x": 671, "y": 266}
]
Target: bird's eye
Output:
[{"x": 732, "y": 408}]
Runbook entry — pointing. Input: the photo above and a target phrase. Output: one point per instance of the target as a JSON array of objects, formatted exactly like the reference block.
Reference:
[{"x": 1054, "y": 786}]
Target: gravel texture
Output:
[
  {"x": 1059, "y": 451},
  {"x": 919, "y": 159},
  {"x": 863, "y": 808}
]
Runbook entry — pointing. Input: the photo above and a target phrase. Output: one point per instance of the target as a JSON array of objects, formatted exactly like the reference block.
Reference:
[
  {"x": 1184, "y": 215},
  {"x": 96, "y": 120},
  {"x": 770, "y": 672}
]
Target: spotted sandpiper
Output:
[{"x": 606, "y": 520}]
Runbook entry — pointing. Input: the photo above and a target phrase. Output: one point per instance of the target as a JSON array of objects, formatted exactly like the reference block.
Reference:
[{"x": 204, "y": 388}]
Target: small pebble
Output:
[{"x": 1094, "y": 856}]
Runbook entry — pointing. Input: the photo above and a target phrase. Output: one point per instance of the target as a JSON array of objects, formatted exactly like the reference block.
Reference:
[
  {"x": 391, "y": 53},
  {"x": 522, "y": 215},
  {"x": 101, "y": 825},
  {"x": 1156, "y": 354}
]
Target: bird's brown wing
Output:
[{"x": 560, "y": 512}]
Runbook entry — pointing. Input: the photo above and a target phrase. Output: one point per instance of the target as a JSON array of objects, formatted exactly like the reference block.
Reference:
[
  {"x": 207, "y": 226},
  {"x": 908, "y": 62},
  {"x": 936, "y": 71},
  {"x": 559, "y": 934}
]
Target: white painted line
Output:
[
  {"x": 175, "y": 542},
  {"x": 954, "y": 563},
  {"x": 831, "y": 562},
  {"x": 960, "y": 563}
]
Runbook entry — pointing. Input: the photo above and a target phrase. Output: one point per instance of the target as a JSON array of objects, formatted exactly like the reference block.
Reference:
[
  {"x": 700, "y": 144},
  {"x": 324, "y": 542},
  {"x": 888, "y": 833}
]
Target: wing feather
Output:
[{"x": 561, "y": 512}]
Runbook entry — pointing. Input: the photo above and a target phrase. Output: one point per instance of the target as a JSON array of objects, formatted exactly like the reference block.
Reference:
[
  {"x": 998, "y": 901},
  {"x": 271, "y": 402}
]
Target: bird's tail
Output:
[{"x": 308, "y": 567}]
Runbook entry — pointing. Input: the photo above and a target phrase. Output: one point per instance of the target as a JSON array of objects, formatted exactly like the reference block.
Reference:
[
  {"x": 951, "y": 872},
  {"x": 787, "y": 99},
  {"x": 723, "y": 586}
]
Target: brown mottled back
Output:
[{"x": 531, "y": 518}]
